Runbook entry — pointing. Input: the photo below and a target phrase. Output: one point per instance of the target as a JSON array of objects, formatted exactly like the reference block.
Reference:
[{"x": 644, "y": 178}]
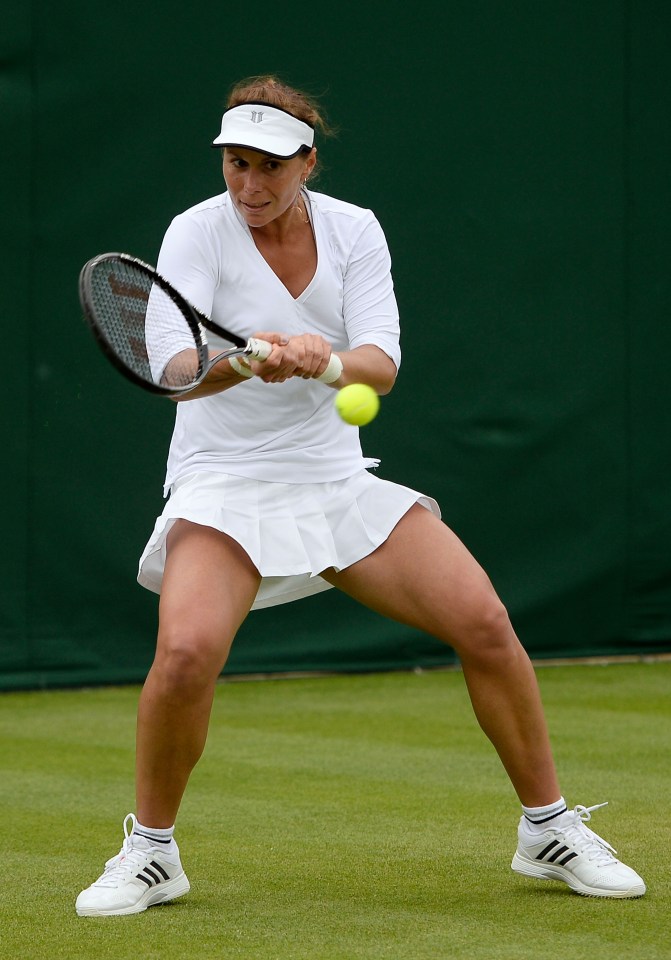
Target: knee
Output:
[
  {"x": 187, "y": 661},
  {"x": 488, "y": 634},
  {"x": 494, "y": 625}
]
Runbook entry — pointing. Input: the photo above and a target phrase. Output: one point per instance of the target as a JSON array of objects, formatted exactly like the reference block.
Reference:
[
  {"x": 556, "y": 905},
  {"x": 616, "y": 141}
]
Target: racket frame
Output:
[{"x": 194, "y": 318}]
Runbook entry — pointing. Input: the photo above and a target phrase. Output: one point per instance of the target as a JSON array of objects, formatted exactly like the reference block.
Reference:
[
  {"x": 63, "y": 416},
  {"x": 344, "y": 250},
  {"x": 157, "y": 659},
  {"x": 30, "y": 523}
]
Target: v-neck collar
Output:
[{"x": 248, "y": 232}]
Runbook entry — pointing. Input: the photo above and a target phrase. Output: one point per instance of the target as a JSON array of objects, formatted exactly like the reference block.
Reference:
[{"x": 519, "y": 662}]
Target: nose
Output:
[{"x": 252, "y": 181}]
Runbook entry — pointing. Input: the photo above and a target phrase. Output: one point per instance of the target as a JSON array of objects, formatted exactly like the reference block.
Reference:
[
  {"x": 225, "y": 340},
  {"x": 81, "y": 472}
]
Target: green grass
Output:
[{"x": 337, "y": 819}]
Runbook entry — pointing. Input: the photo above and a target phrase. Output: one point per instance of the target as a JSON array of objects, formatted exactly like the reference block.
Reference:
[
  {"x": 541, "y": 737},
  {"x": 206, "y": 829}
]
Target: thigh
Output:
[
  {"x": 424, "y": 576},
  {"x": 209, "y": 585}
]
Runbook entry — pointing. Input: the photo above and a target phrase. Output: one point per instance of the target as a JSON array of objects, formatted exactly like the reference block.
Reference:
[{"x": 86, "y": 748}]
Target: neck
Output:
[
  {"x": 300, "y": 208},
  {"x": 292, "y": 223}
]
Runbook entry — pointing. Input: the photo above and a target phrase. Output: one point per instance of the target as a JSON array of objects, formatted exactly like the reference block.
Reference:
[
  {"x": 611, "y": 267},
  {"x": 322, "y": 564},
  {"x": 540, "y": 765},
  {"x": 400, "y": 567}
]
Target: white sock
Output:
[
  {"x": 537, "y": 819},
  {"x": 157, "y": 838}
]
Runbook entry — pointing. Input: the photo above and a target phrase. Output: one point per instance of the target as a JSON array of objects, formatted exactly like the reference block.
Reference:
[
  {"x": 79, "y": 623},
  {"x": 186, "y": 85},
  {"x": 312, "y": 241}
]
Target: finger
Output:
[
  {"x": 318, "y": 351},
  {"x": 271, "y": 363},
  {"x": 273, "y": 336}
]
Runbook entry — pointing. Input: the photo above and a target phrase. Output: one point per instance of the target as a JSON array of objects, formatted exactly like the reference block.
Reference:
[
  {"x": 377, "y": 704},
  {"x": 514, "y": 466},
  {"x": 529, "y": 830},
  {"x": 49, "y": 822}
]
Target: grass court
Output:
[{"x": 339, "y": 818}]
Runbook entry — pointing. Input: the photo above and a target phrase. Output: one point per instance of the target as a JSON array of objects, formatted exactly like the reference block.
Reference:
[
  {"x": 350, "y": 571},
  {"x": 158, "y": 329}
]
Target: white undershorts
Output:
[{"x": 291, "y": 531}]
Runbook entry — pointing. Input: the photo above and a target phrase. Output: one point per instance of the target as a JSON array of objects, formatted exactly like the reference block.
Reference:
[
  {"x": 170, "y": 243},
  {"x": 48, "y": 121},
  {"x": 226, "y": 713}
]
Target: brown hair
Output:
[{"x": 269, "y": 89}]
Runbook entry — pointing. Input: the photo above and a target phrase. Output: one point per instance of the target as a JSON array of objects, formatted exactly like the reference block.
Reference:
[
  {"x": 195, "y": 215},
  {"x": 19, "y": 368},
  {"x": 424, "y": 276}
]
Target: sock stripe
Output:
[
  {"x": 557, "y": 813},
  {"x": 151, "y": 838},
  {"x": 540, "y": 815}
]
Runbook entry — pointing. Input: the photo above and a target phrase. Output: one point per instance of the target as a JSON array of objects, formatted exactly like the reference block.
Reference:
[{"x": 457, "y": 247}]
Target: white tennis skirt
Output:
[{"x": 291, "y": 531}]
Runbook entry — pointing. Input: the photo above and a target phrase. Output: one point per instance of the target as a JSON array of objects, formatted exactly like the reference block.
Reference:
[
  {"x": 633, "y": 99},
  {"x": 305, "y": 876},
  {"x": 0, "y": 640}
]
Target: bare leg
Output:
[
  {"x": 424, "y": 576},
  {"x": 208, "y": 587}
]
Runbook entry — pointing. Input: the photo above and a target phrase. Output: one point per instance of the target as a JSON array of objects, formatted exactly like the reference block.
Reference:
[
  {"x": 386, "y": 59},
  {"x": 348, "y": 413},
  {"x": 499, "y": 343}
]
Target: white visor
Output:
[{"x": 258, "y": 126}]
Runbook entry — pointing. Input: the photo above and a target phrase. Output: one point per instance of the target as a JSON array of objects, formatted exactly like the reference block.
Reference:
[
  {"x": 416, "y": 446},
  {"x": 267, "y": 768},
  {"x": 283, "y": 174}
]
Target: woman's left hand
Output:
[{"x": 306, "y": 356}]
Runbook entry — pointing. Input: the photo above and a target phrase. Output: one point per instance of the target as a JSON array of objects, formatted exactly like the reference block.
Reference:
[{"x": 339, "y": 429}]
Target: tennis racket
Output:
[{"x": 151, "y": 334}]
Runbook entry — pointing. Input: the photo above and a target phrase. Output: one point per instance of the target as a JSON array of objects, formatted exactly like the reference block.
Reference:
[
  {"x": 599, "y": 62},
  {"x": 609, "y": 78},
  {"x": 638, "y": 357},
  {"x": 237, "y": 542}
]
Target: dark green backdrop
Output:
[{"x": 517, "y": 155}]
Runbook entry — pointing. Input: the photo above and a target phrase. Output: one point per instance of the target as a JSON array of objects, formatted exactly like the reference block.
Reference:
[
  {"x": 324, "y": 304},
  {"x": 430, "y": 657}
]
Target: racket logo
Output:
[{"x": 257, "y": 116}]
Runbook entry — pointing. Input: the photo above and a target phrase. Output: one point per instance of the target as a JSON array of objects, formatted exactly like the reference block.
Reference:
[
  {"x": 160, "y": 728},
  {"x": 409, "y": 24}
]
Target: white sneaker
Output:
[
  {"x": 139, "y": 876},
  {"x": 575, "y": 854}
]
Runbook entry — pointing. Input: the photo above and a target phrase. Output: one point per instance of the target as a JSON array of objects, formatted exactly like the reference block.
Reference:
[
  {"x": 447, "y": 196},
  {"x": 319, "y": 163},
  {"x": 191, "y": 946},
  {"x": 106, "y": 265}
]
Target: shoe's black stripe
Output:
[
  {"x": 157, "y": 866},
  {"x": 549, "y": 847},
  {"x": 557, "y": 854},
  {"x": 152, "y": 879}
]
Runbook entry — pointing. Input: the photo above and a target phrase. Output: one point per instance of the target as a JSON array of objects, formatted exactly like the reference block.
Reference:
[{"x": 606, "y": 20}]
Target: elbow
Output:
[
  {"x": 382, "y": 389},
  {"x": 388, "y": 380}
]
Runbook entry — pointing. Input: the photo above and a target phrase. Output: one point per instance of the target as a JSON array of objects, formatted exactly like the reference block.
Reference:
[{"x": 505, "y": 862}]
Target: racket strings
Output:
[{"x": 144, "y": 327}]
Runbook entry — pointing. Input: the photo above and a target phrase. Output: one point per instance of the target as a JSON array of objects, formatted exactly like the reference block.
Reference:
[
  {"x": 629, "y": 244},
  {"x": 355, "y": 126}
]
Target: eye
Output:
[{"x": 273, "y": 165}]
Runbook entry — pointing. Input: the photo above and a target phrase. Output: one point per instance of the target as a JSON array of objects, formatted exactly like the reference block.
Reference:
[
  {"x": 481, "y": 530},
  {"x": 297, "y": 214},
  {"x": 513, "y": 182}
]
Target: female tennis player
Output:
[{"x": 271, "y": 499}]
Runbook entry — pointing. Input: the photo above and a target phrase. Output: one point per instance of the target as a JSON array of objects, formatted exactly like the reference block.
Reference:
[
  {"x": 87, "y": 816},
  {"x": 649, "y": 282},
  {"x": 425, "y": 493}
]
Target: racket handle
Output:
[
  {"x": 258, "y": 349},
  {"x": 333, "y": 370}
]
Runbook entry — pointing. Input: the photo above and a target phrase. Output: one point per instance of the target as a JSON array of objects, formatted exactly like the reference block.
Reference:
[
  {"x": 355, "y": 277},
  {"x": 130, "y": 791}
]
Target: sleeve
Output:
[
  {"x": 369, "y": 304},
  {"x": 167, "y": 338},
  {"x": 188, "y": 260}
]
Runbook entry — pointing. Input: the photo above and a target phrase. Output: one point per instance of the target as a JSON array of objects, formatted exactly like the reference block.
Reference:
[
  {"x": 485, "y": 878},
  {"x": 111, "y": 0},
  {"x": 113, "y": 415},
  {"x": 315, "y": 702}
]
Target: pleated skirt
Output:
[{"x": 291, "y": 531}]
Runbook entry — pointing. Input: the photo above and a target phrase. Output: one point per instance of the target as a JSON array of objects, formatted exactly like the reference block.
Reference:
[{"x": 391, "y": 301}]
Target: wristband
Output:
[
  {"x": 333, "y": 370},
  {"x": 242, "y": 369}
]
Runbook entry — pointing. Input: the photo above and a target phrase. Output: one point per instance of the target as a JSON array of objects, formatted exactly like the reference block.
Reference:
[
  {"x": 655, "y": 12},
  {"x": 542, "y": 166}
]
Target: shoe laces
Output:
[
  {"x": 128, "y": 860},
  {"x": 586, "y": 842}
]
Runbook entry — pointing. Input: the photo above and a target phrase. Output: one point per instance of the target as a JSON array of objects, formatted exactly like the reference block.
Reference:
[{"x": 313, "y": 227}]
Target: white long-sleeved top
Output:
[{"x": 288, "y": 432}]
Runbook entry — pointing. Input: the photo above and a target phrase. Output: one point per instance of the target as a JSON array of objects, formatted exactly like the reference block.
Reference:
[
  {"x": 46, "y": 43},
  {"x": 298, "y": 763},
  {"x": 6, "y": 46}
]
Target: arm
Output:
[
  {"x": 307, "y": 356},
  {"x": 223, "y": 375},
  {"x": 367, "y": 364},
  {"x": 370, "y": 313},
  {"x": 190, "y": 258}
]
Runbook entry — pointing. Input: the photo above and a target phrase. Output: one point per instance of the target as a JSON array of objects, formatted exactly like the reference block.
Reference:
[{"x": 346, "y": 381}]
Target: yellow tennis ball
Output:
[{"x": 357, "y": 404}]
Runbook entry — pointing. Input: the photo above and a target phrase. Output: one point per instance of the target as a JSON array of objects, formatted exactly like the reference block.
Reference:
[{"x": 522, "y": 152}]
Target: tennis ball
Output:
[{"x": 357, "y": 404}]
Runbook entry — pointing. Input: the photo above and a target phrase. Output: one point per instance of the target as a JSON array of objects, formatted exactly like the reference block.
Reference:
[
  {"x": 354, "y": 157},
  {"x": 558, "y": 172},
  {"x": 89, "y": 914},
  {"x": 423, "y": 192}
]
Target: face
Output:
[{"x": 264, "y": 188}]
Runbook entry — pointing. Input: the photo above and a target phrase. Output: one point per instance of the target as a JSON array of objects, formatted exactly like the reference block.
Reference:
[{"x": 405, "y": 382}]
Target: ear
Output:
[{"x": 310, "y": 162}]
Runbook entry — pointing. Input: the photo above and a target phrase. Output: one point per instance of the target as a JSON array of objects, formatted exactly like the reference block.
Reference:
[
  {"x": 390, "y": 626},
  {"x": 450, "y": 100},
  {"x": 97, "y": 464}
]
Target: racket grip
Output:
[
  {"x": 261, "y": 350},
  {"x": 333, "y": 370},
  {"x": 258, "y": 349},
  {"x": 241, "y": 369}
]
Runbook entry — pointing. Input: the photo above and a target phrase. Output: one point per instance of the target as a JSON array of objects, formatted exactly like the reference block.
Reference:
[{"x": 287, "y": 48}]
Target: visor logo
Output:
[{"x": 257, "y": 116}]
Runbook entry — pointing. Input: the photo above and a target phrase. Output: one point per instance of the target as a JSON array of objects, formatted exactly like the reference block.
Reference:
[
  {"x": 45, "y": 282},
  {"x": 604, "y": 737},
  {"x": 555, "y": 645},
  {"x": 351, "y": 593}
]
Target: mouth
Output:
[{"x": 254, "y": 207}]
